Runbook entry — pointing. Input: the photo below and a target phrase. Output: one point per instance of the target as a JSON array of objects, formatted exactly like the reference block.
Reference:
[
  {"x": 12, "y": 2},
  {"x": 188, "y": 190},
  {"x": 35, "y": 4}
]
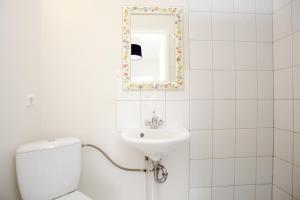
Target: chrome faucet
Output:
[{"x": 155, "y": 122}]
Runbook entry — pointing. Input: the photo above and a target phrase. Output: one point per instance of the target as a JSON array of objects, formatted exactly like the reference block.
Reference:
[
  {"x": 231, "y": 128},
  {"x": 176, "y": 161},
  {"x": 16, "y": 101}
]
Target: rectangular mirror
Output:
[{"x": 152, "y": 48}]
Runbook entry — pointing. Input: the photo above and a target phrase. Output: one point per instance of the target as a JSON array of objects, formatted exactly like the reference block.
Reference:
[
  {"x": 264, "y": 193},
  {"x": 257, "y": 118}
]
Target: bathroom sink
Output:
[{"x": 155, "y": 143}]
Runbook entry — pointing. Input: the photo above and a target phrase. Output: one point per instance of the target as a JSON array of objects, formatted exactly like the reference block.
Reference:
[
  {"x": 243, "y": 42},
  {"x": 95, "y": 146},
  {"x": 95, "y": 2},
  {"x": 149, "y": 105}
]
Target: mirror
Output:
[{"x": 152, "y": 48}]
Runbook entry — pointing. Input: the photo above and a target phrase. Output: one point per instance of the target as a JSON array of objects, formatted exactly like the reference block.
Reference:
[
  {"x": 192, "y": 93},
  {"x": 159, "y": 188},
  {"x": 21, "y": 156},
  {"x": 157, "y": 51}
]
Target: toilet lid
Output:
[{"x": 76, "y": 195}]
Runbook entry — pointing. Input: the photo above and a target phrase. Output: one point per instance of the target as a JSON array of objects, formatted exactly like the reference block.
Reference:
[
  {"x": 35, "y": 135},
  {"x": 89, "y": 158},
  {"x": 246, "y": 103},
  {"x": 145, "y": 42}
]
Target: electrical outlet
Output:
[{"x": 30, "y": 100}]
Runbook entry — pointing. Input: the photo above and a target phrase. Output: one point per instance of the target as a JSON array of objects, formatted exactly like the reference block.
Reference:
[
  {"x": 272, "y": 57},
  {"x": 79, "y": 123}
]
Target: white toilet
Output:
[{"x": 50, "y": 169}]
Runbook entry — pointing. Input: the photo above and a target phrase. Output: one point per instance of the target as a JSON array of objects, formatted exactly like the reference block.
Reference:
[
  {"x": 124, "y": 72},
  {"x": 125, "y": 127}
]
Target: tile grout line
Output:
[
  {"x": 229, "y": 12},
  {"x": 235, "y": 96},
  {"x": 293, "y": 95},
  {"x": 237, "y": 157},
  {"x": 225, "y": 186},
  {"x": 235, "y": 93},
  {"x": 189, "y": 100},
  {"x": 282, "y": 190},
  {"x": 286, "y": 161},
  {"x": 257, "y": 101},
  {"x": 273, "y": 81},
  {"x": 213, "y": 102}
]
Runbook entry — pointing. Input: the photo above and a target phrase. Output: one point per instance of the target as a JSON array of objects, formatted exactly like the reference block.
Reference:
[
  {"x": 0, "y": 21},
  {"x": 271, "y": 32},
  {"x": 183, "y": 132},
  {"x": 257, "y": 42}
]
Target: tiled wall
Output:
[
  {"x": 227, "y": 103},
  {"x": 286, "y": 172},
  {"x": 231, "y": 99}
]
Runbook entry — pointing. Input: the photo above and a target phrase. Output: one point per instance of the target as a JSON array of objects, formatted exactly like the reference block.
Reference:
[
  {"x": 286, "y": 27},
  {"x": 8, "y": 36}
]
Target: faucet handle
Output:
[{"x": 160, "y": 122}]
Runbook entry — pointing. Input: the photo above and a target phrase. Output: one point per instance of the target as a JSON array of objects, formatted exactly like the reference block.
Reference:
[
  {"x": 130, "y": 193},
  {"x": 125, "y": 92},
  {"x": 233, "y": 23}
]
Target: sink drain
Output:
[{"x": 142, "y": 135}]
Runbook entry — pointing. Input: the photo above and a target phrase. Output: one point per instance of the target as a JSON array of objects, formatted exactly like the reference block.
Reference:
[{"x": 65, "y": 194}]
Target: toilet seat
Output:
[{"x": 76, "y": 195}]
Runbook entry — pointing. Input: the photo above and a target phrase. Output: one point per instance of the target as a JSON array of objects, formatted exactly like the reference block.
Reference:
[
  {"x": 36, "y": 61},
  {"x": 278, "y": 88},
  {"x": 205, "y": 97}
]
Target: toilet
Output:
[{"x": 50, "y": 169}]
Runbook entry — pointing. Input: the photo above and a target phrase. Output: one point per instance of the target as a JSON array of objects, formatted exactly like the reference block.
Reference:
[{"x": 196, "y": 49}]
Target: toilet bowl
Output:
[
  {"x": 50, "y": 169},
  {"x": 74, "y": 196}
]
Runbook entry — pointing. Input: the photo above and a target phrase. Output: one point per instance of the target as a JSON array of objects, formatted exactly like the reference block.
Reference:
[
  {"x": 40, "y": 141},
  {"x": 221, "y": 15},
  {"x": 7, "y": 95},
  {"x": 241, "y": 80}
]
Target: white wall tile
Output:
[
  {"x": 224, "y": 85},
  {"x": 128, "y": 114},
  {"x": 283, "y": 84},
  {"x": 223, "y": 26},
  {"x": 264, "y": 56},
  {"x": 264, "y": 6},
  {"x": 200, "y": 173},
  {"x": 296, "y": 182},
  {"x": 297, "y": 116},
  {"x": 222, "y": 193},
  {"x": 297, "y": 149},
  {"x": 278, "y": 194},
  {"x": 200, "y": 114},
  {"x": 278, "y": 4},
  {"x": 296, "y": 78},
  {"x": 245, "y": 55},
  {"x": 265, "y": 113},
  {"x": 282, "y": 175},
  {"x": 264, "y": 170},
  {"x": 264, "y": 192},
  {"x": 223, "y": 55},
  {"x": 264, "y": 27},
  {"x": 296, "y": 15},
  {"x": 199, "y": 5},
  {"x": 223, "y": 143},
  {"x": 282, "y": 24},
  {"x": 283, "y": 114},
  {"x": 246, "y": 192},
  {"x": 245, "y": 171},
  {"x": 247, "y": 6},
  {"x": 223, "y": 172},
  {"x": 154, "y": 95},
  {"x": 224, "y": 114},
  {"x": 283, "y": 52},
  {"x": 246, "y": 113},
  {"x": 222, "y": 5},
  {"x": 265, "y": 84},
  {"x": 245, "y": 26},
  {"x": 200, "y": 25},
  {"x": 200, "y": 84},
  {"x": 283, "y": 144},
  {"x": 246, "y": 85},
  {"x": 296, "y": 48},
  {"x": 200, "y": 54},
  {"x": 245, "y": 142},
  {"x": 265, "y": 142},
  {"x": 177, "y": 113},
  {"x": 201, "y": 144},
  {"x": 200, "y": 193}
]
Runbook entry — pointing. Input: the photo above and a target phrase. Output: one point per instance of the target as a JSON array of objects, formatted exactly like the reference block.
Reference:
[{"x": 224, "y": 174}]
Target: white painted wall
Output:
[
  {"x": 80, "y": 54},
  {"x": 19, "y": 75}
]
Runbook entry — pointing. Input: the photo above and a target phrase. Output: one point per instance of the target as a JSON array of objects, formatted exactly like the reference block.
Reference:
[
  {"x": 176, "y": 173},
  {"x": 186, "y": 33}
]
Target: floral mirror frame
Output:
[{"x": 126, "y": 57}]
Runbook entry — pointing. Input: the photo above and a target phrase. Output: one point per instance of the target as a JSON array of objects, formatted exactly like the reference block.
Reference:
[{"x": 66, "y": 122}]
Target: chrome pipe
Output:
[{"x": 113, "y": 162}]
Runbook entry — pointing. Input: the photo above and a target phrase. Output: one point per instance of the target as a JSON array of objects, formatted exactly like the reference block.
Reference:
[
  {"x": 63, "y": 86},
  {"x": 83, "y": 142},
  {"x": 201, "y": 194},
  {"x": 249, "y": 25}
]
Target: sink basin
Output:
[{"x": 156, "y": 142}]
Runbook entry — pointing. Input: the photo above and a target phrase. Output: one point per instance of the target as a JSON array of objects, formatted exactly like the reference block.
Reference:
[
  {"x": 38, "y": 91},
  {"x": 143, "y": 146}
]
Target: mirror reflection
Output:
[{"x": 153, "y": 48}]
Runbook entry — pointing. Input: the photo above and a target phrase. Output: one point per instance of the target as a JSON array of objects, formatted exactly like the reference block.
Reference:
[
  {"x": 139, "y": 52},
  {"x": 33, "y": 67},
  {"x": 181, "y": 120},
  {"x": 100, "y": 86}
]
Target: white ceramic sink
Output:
[{"x": 156, "y": 142}]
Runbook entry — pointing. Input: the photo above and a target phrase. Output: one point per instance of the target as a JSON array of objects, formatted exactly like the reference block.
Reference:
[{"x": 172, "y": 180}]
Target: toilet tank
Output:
[{"x": 48, "y": 169}]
